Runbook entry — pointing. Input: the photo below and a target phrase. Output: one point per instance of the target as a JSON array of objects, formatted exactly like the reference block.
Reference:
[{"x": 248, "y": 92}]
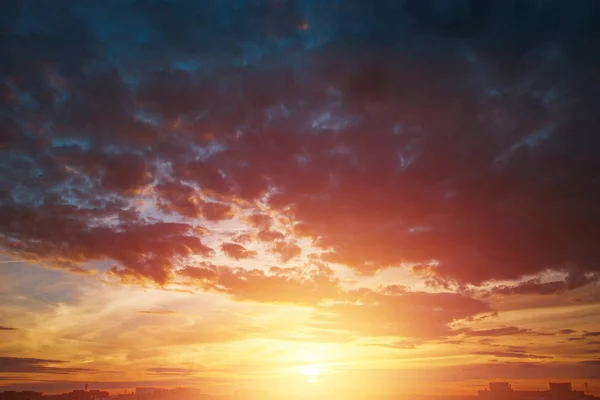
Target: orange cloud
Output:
[
  {"x": 303, "y": 286},
  {"x": 409, "y": 314}
]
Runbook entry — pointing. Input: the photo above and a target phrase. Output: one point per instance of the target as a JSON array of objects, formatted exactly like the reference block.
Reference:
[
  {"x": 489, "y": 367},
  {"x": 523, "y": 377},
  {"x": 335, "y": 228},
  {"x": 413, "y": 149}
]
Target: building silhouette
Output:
[
  {"x": 556, "y": 391},
  {"x": 143, "y": 393},
  {"x": 495, "y": 391},
  {"x": 24, "y": 395}
]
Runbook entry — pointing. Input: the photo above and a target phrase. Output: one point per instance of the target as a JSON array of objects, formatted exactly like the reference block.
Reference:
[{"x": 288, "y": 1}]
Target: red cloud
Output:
[
  {"x": 179, "y": 198},
  {"x": 243, "y": 238},
  {"x": 237, "y": 251},
  {"x": 286, "y": 251},
  {"x": 270, "y": 236},
  {"x": 186, "y": 201},
  {"x": 216, "y": 211},
  {"x": 260, "y": 221},
  {"x": 205, "y": 175},
  {"x": 62, "y": 236}
]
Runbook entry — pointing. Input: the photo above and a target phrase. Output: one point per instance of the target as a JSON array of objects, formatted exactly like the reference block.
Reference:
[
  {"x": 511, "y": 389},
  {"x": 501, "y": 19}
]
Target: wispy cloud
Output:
[
  {"x": 158, "y": 312},
  {"x": 509, "y": 354},
  {"x": 503, "y": 331},
  {"x": 566, "y": 331},
  {"x": 171, "y": 371},
  {"x": 37, "y": 365},
  {"x": 591, "y": 362},
  {"x": 591, "y": 334}
]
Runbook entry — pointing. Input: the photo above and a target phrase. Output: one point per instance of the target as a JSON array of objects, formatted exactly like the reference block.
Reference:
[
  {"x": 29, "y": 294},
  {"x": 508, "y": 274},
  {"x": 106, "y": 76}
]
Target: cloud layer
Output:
[{"x": 472, "y": 151}]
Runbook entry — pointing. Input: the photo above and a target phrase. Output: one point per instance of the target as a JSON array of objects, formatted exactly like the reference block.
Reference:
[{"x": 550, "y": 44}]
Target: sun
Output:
[{"x": 311, "y": 371}]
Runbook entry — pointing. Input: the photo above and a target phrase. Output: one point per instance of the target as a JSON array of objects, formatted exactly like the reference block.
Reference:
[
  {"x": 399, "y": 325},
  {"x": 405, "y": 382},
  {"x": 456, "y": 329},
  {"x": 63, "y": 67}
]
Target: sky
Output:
[{"x": 301, "y": 197}]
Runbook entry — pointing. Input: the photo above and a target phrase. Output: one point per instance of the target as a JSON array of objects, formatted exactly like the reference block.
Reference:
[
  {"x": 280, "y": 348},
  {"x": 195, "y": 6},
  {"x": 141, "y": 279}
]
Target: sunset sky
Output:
[{"x": 303, "y": 197}]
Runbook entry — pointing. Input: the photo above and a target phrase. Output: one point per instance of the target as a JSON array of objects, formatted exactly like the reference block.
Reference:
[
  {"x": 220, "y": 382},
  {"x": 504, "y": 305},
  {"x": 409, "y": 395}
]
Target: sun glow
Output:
[{"x": 312, "y": 372}]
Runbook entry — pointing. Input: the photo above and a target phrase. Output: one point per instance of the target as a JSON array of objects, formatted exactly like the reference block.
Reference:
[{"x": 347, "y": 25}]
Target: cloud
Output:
[
  {"x": 566, "y": 331},
  {"x": 171, "y": 371},
  {"x": 364, "y": 149},
  {"x": 504, "y": 331},
  {"x": 576, "y": 300},
  {"x": 260, "y": 221},
  {"x": 6, "y": 328},
  {"x": 243, "y": 238},
  {"x": 158, "y": 312},
  {"x": 267, "y": 235},
  {"x": 37, "y": 365},
  {"x": 317, "y": 336},
  {"x": 594, "y": 342},
  {"x": 508, "y": 354},
  {"x": 400, "y": 344},
  {"x": 572, "y": 281},
  {"x": 286, "y": 251},
  {"x": 590, "y": 362},
  {"x": 412, "y": 314},
  {"x": 294, "y": 285},
  {"x": 140, "y": 249},
  {"x": 591, "y": 334},
  {"x": 451, "y": 342},
  {"x": 183, "y": 199},
  {"x": 151, "y": 337},
  {"x": 178, "y": 198},
  {"x": 516, "y": 349},
  {"x": 237, "y": 251},
  {"x": 213, "y": 211}
]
